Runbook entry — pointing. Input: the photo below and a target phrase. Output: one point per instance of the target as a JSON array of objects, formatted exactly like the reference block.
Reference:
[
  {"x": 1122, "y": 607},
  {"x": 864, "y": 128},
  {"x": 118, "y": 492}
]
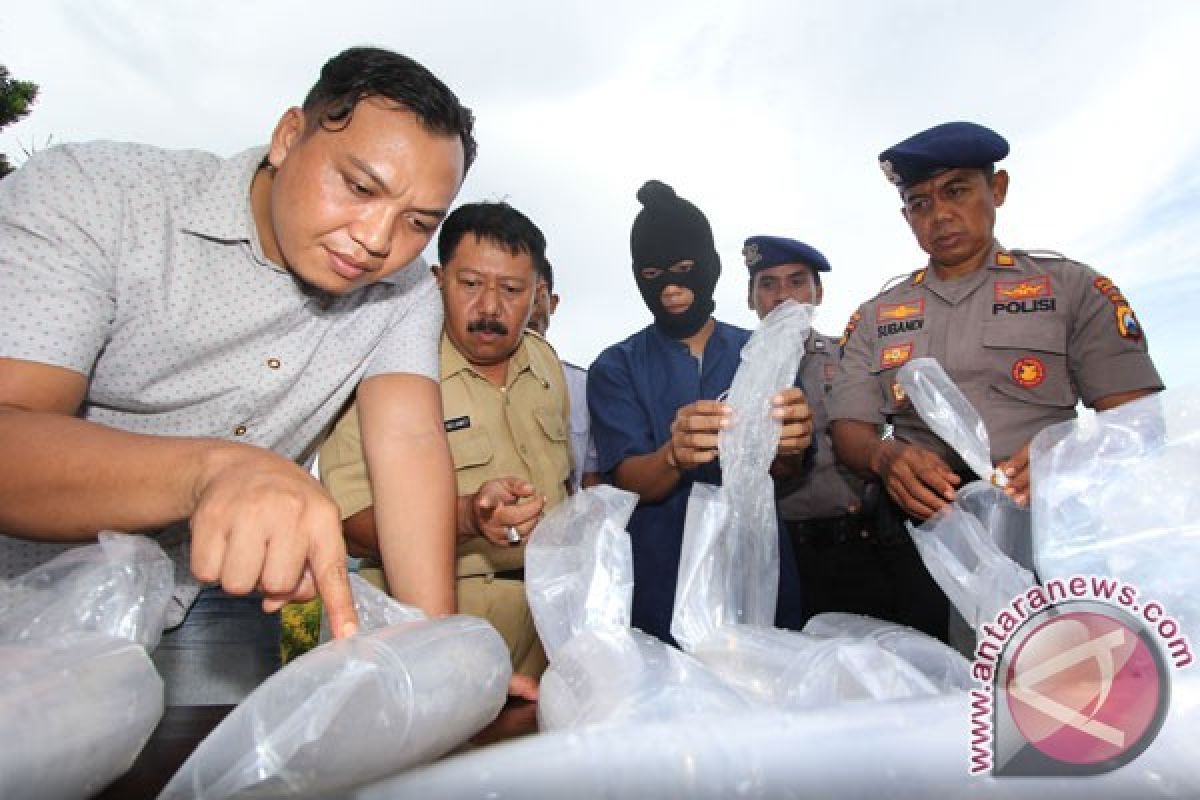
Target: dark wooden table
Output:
[{"x": 182, "y": 728}]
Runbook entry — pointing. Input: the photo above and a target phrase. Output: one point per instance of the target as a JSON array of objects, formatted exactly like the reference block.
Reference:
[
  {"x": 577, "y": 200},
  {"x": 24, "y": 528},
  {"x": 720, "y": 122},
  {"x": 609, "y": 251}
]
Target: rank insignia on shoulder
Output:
[
  {"x": 895, "y": 355},
  {"x": 918, "y": 277},
  {"x": 457, "y": 424},
  {"x": 1028, "y": 372},
  {"x": 1004, "y": 260}
]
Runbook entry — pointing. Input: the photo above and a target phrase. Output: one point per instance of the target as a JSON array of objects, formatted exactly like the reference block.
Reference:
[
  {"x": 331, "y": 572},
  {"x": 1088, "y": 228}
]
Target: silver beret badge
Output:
[
  {"x": 751, "y": 254},
  {"x": 890, "y": 173}
]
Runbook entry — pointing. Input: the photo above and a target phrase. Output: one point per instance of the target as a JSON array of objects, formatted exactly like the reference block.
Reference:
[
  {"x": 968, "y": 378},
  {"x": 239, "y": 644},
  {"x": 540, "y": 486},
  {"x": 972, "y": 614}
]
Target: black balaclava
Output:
[{"x": 666, "y": 231}]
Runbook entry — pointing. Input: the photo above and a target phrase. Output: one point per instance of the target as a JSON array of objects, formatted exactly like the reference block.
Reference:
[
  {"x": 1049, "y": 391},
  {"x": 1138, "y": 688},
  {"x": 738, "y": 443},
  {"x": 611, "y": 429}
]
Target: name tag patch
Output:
[{"x": 457, "y": 424}]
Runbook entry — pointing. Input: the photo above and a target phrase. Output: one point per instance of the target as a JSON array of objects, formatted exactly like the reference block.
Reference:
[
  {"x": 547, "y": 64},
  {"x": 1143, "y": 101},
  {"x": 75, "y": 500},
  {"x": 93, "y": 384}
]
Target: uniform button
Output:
[
  {"x": 524, "y": 450},
  {"x": 240, "y": 430},
  {"x": 274, "y": 363}
]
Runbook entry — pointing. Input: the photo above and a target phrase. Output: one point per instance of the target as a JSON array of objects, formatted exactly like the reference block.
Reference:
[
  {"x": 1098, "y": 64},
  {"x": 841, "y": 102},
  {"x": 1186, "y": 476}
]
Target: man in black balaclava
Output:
[
  {"x": 667, "y": 233},
  {"x": 652, "y": 399}
]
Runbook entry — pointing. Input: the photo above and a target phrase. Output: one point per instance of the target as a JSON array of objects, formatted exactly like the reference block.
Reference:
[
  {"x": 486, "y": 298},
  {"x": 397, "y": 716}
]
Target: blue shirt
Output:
[{"x": 634, "y": 389}]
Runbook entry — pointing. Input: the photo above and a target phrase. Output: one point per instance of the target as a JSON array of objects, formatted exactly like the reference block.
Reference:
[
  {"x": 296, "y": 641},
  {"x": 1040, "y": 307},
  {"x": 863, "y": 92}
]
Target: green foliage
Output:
[{"x": 16, "y": 99}]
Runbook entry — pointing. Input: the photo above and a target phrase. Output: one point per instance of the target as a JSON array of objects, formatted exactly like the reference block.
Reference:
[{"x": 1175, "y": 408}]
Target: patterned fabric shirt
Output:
[{"x": 142, "y": 269}]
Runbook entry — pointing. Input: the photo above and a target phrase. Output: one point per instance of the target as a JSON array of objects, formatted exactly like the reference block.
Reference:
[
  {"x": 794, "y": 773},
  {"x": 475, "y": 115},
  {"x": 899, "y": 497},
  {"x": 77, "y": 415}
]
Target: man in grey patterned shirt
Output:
[{"x": 179, "y": 330}]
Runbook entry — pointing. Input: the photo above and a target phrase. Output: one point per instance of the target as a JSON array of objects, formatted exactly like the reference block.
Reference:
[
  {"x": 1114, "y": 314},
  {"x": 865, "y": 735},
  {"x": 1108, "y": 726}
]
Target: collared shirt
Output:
[
  {"x": 519, "y": 430},
  {"x": 635, "y": 388},
  {"x": 825, "y": 489},
  {"x": 1025, "y": 338},
  {"x": 583, "y": 449},
  {"x": 142, "y": 269}
]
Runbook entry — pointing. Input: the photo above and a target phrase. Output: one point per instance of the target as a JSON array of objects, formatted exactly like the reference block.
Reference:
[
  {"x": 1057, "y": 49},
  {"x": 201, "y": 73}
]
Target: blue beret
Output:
[
  {"x": 764, "y": 252},
  {"x": 943, "y": 147}
]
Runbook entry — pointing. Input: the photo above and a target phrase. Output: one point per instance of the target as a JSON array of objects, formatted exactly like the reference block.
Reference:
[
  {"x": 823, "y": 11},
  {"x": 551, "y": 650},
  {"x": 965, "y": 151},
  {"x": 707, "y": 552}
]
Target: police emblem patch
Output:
[
  {"x": 895, "y": 355},
  {"x": 1127, "y": 323},
  {"x": 1028, "y": 372}
]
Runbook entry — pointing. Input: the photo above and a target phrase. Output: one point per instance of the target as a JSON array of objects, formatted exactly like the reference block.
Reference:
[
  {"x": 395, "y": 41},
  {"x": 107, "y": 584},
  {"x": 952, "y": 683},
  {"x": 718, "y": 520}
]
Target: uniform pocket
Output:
[
  {"x": 1027, "y": 358},
  {"x": 558, "y": 449},
  {"x": 470, "y": 448}
]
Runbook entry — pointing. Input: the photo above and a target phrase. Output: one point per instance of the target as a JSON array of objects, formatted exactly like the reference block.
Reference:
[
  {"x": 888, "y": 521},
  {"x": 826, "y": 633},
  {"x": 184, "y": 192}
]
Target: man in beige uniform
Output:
[
  {"x": 506, "y": 415},
  {"x": 1024, "y": 335}
]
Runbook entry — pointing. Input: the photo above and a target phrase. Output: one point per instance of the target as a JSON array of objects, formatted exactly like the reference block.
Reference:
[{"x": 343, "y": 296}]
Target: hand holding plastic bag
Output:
[
  {"x": 729, "y": 563},
  {"x": 355, "y": 710},
  {"x": 948, "y": 413},
  {"x": 959, "y": 548}
]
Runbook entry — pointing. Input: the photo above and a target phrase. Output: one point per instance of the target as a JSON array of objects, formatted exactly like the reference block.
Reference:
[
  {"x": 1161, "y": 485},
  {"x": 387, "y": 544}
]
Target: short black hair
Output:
[
  {"x": 546, "y": 272},
  {"x": 361, "y": 72},
  {"x": 498, "y": 223}
]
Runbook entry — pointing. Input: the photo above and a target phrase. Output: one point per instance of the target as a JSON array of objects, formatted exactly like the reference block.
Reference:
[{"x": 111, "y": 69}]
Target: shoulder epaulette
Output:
[
  {"x": 1054, "y": 254},
  {"x": 917, "y": 277}
]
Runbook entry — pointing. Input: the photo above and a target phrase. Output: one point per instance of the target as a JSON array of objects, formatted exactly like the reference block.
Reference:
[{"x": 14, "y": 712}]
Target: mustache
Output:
[{"x": 487, "y": 325}]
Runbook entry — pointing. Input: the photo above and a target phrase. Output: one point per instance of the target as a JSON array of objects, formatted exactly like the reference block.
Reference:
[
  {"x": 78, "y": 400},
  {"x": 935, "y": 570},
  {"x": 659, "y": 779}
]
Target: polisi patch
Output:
[
  {"x": 1028, "y": 372},
  {"x": 895, "y": 355}
]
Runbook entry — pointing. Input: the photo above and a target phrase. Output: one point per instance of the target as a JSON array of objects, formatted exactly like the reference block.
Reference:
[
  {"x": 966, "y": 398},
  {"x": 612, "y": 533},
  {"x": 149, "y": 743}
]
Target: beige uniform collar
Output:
[{"x": 453, "y": 361}]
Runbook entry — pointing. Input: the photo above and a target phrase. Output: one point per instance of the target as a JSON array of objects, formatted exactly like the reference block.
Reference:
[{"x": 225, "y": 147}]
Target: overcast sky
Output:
[{"x": 767, "y": 115}]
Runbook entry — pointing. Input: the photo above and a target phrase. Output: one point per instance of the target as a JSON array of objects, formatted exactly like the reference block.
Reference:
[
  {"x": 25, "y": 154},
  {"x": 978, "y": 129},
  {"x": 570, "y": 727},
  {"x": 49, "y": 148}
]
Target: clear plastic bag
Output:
[
  {"x": 355, "y": 710},
  {"x": 729, "y": 564},
  {"x": 911, "y": 750},
  {"x": 579, "y": 566},
  {"x": 958, "y": 546},
  {"x": 949, "y": 414},
  {"x": 119, "y": 586},
  {"x": 579, "y": 581},
  {"x": 81, "y": 696},
  {"x": 75, "y": 711},
  {"x": 1118, "y": 494}
]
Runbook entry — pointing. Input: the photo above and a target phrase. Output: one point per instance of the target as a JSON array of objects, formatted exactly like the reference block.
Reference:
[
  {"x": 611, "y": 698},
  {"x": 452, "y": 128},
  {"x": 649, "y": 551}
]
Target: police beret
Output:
[
  {"x": 764, "y": 252},
  {"x": 943, "y": 147}
]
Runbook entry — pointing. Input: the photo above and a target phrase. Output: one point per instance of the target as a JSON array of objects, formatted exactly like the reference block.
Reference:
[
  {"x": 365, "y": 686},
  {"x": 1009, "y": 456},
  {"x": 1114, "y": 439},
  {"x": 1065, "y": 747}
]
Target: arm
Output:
[
  {"x": 257, "y": 519},
  {"x": 408, "y": 461},
  {"x": 918, "y": 480},
  {"x": 693, "y": 442}
]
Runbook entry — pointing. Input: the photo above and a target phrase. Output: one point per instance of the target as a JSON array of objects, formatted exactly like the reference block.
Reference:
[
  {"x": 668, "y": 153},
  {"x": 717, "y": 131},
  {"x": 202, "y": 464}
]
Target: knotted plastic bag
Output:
[
  {"x": 80, "y": 695},
  {"x": 579, "y": 581},
  {"x": 403, "y": 691},
  {"x": 949, "y": 414}
]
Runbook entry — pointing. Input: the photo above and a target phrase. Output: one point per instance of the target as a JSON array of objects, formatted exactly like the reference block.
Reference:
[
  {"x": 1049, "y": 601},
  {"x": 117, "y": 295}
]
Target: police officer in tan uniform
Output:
[
  {"x": 506, "y": 415},
  {"x": 822, "y": 503},
  {"x": 1025, "y": 335}
]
